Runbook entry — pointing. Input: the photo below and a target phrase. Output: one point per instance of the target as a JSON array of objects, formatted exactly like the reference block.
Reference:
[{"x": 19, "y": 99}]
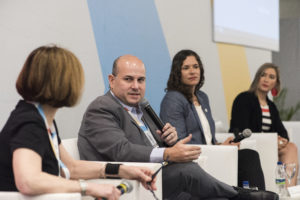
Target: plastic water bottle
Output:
[
  {"x": 246, "y": 185},
  {"x": 280, "y": 179}
]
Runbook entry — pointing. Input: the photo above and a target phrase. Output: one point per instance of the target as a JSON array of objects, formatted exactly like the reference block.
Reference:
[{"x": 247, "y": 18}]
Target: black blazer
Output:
[{"x": 246, "y": 113}]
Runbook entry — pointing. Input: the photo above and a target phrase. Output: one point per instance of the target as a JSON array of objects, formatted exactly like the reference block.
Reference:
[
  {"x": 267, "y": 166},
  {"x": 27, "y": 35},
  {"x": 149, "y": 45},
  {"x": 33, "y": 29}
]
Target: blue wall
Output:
[{"x": 132, "y": 27}]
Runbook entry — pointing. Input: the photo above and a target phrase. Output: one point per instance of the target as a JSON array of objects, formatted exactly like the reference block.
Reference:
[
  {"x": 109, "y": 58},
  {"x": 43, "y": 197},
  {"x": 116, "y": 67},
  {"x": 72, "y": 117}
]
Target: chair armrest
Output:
[
  {"x": 54, "y": 196},
  {"x": 220, "y": 161},
  {"x": 139, "y": 192},
  {"x": 266, "y": 146},
  {"x": 142, "y": 193}
]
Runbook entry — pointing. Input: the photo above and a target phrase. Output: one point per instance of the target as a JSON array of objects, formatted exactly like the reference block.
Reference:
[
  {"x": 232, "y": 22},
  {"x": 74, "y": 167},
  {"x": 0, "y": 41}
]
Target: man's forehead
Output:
[
  {"x": 132, "y": 69},
  {"x": 129, "y": 59},
  {"x": 133, "y": 75},
  {"x": 132, "y": 63}
]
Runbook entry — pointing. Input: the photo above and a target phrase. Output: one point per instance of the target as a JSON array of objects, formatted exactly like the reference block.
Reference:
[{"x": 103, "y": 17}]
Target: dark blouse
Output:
[
  {"x": 25, "y": 128},
  {"x": 246, "y": 113}
]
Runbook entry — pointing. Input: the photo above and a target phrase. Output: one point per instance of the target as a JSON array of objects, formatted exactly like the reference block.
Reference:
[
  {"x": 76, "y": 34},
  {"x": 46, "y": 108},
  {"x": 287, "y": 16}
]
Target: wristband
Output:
[
  {"x": 112, "y": 169},
  {"x": 83, "y": 186}
]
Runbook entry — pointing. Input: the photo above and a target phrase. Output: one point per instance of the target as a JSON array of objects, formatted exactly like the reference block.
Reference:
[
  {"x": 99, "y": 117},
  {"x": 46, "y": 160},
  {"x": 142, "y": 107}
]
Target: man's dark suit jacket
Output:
[{"x": 109, "y": 133}]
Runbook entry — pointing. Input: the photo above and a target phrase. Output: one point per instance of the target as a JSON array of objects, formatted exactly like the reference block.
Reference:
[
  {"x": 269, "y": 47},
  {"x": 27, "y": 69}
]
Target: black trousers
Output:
[
  {"x": 249, "y": 169},
  {"x": 182, "y": 181},
  {"x": 190, "y": 179}
]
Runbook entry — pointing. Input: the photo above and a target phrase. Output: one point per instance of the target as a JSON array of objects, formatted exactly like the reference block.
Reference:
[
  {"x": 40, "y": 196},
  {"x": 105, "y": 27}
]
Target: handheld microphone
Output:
[
  {"x": 245, "y": 134},
  {"x": 124, "y": 187},
  {"x": 145, "y": 104}
]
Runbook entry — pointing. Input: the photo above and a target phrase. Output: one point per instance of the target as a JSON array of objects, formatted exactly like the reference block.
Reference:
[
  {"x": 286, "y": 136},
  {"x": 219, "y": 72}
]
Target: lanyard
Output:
[
  {"x": 145, "y": 129},
  {"x": 54, "y": 144}
]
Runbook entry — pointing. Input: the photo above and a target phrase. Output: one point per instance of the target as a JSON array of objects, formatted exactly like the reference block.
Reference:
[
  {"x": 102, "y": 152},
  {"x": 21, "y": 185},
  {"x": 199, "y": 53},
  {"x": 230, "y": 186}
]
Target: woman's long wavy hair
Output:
[
  {"x": 175, "y": 83},
  {"x": 260, "y": 71}
]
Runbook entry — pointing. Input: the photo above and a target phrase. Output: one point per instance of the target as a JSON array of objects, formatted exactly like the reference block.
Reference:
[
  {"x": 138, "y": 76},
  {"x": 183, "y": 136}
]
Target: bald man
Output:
[{"x": 116, "y": 128}]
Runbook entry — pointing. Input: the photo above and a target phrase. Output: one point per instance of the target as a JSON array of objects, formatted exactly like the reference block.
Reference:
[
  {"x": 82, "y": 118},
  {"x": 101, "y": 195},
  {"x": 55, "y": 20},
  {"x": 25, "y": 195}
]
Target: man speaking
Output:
[{"x": 116, "y": 128}]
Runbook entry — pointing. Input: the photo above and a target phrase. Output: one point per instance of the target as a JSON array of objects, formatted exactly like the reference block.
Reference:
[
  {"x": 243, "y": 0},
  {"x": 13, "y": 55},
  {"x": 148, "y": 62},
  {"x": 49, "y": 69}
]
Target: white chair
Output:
[
  {"x": 56, "y": 196},
  {"x": 219, "y": 126},
  {"x": 214, "y": 159},
  {"x": 293, "y": 128},
  {"x": 139, "y": 192},
  {"x": 220, "y": 162},
  {"x": 71, "y": 146},
  {"x": 266, "y": 145}
]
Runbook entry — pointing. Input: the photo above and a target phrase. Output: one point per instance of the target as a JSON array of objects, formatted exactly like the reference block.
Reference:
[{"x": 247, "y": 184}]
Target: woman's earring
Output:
[{"x": 274, "y": 92}]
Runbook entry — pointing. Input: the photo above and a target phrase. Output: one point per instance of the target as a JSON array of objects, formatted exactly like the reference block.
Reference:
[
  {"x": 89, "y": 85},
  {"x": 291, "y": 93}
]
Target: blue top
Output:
[{"x": 182, "y": 114}]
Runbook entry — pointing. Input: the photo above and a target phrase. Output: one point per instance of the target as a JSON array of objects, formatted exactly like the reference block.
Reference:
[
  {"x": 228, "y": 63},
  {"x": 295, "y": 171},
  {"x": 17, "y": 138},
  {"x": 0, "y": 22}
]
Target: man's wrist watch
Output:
[
  {"x": 112, "y": 169},
  {"x": 83, "y": 186}
]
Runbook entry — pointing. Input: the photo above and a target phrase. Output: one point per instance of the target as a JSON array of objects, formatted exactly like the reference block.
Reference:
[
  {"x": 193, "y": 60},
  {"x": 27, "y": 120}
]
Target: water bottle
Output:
[
  {"x": 280, "y": 179},
  {"x": 246, "y": 185}
]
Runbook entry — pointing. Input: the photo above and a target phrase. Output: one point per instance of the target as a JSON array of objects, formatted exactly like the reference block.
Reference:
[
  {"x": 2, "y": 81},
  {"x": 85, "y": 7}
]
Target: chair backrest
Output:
[
  {"x": 250, "y": 143},
  {"x": 71, "y": 146},
  {"x": 266, "y": 146},
  {"x": 220, "y": 161},
  {"x": 293, "y": 127}
]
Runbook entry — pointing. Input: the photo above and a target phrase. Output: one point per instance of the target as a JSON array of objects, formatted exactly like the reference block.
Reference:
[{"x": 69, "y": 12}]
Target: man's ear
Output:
[{"x": 111, "y": 79}]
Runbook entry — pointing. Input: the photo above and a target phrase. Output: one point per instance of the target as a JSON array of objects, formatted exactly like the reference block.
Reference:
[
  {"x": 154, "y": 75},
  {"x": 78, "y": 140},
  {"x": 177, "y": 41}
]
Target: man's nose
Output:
[{"x": 135, "y": 84}]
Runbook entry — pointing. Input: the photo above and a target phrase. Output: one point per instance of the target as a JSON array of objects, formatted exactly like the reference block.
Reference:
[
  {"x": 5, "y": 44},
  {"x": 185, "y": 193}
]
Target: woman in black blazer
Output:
[{"x": 254, "y": 110}]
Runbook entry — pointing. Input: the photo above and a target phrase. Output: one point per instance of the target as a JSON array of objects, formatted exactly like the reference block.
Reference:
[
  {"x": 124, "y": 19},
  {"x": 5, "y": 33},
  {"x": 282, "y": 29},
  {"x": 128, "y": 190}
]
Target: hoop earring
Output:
[{"x": 274, "y": 92}]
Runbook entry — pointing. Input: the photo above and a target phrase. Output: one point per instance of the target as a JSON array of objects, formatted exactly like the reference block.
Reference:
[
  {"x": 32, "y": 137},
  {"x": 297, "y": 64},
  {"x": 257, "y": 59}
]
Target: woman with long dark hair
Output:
[{"x": 187, "y": 108}]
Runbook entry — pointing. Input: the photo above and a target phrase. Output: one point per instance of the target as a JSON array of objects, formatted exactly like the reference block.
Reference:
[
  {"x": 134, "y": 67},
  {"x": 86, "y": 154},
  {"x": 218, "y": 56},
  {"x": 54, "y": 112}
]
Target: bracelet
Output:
[
  {"x": 112, "y": 169},
  {"x": 83, "y": 186}
]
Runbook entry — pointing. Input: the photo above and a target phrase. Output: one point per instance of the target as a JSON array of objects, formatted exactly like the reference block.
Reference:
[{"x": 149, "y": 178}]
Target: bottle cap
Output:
[
  {"x": 279, "y": 163},
  {"x": 245, "y": 182}
]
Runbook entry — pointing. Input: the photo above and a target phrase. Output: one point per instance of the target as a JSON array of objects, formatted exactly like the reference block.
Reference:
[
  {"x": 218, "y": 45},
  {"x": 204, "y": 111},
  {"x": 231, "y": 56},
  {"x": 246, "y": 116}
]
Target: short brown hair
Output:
[
  {"x": 51, "y": 75},
  {"x": 254, "y": 84}
]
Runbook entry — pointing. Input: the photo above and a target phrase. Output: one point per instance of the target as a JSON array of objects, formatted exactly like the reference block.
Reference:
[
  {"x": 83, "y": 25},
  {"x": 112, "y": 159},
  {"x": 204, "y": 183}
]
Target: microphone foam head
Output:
[
  {"x": 144, "y": 103},
  {"x": 247, "y": 132},
  {"x": 128, "y": 185}
]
